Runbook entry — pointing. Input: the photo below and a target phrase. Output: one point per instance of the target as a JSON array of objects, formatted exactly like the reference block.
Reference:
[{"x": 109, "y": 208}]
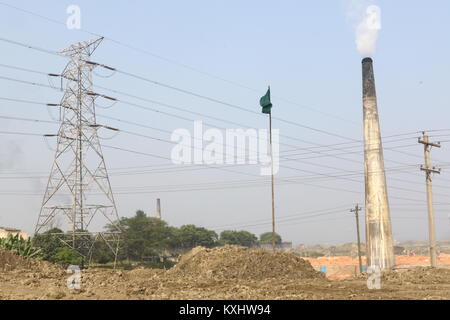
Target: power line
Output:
[
  {"x": 23, "y": 101},
  {"x": 201, "y": 114},
  {"x": 214, "y": 100},
  {"x": 31, "y": 47},
  {"x": 151, "y": 109},
  {"x": 289, "y": 218},
  {"x": 188, "y": 119},
  {"x": 358, "y": 144},
  {"x": 28, "y": 119},
  {"x": 171, "y": 106},
  {"x": 342, "y": 177},
  {"x": 172, "y": 142},
  {"x": 219, "y": 184},
  {"x": 27, "y": 82},
  {"x": 188, "y": 92},
  {"x": 136, "y": 105},
  {"x": 348, "y": 148},
  {"x": 22, "y": 69},
  {"x": 21, "y": 133},
  {"x": 170, "y": 61},
  {"x": 146, "y": 108},
  {"x": 200, "y": 96},
  {"x": 289, "y": 222},
  {"x": 309, "y": 184}
]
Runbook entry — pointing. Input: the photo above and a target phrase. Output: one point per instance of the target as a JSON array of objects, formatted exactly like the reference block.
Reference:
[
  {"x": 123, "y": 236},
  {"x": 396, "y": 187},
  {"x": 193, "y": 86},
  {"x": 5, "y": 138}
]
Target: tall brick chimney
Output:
[{"x": 379, "y": 242}]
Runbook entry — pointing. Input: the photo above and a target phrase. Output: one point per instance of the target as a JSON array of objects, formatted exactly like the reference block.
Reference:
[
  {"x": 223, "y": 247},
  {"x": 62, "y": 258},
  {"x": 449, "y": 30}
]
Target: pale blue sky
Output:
[{"x": 304, "y": 49}]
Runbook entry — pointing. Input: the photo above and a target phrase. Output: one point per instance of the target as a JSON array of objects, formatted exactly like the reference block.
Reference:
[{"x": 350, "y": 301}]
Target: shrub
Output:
[{"x": 21, "y": 246}]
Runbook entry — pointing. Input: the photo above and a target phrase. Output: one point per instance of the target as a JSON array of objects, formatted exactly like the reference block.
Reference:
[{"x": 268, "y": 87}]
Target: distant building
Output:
[
  {"x": 4, "y": 232},
  {"x": 284, "y": 246}
]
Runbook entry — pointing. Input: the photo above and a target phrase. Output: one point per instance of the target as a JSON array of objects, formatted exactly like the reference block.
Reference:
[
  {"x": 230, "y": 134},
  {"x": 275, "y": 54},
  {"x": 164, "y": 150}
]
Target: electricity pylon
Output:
[{"x": 78, "y": 187}]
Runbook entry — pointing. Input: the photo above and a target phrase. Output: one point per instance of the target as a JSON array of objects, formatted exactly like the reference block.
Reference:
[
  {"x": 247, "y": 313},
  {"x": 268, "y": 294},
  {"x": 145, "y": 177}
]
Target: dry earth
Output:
[
  {"x": 222, "y": 273},
  {"x": 443, "y": 259}
]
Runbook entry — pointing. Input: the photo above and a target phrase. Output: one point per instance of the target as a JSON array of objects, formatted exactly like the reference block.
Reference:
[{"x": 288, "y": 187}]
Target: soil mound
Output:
[
  {"x": 233, "y": 262},
  {"x": 419, "y": 275},
  {"x": 11, "y": 261}
]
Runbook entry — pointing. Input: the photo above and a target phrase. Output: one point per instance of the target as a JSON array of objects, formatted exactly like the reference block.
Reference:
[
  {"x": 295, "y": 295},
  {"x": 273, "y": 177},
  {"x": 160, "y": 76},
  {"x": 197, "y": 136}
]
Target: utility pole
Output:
[
  {"x": 428, "y": 172},
  {"x": 356, "y": 211}
]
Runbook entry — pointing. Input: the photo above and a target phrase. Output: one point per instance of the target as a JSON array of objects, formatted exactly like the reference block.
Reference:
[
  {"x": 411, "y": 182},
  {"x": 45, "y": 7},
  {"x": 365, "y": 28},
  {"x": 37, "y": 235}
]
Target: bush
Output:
[{"x": 65, "y": 256}]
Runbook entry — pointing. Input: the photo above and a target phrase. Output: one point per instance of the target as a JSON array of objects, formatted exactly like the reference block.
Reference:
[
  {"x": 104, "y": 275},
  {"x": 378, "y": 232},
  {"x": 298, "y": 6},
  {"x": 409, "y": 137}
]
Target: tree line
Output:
[{"x": 149, "y": 240}]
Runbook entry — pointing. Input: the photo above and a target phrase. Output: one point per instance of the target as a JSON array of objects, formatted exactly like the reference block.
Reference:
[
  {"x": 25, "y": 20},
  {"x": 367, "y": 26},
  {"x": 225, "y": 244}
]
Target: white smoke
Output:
[
  {"x": 11, "y": 154},
  {"x": 368, "y": 27}
]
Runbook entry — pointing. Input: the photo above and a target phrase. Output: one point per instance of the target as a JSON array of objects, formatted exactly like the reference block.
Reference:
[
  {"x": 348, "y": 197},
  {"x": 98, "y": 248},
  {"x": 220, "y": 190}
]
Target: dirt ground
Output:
[
  {"x": 221, "y": 273},
  {"x": 343, "y": 267},
  {"x": 443, "y": 259}
]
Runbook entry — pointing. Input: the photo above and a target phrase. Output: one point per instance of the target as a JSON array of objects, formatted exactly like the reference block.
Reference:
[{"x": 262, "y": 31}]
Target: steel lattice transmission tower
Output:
[{"x": 78, "y": 188}]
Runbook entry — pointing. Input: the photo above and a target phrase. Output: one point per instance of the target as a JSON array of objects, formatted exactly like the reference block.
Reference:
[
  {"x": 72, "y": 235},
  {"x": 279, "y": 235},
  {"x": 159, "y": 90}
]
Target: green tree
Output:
[
  {"x": 266, "y": 238},
  {"x": 190, "y": 236},
  {"x": 51, "y": 246},
  {"x": 240, "y": 238},
  {"x": 101, "y": 252},
  {"x": 66, "y": 256},
  {"x": 48, "y": 243},
  {"x": 145, "y": 237}
]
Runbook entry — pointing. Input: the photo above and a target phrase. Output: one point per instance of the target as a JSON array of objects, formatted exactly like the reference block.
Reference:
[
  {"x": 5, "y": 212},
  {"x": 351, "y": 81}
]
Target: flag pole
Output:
[{"x": 273, "y": 186}]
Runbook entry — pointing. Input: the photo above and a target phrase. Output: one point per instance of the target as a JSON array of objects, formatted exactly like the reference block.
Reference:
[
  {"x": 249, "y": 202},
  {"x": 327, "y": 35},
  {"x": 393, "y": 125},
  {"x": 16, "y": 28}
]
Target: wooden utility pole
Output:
[
  {"x": 273, "y": 184},
  {"x": 356, "y": 211},
  {"x": 428, "y": 172}
]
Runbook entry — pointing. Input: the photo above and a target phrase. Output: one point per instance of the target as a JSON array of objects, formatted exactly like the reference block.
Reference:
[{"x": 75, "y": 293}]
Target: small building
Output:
[
  {"x": 4, "y": 232},
  {"x": 284, "y": 246}
]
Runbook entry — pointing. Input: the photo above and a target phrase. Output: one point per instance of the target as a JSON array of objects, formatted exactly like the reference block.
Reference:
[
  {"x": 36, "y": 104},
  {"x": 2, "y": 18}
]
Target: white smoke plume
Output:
[
  {"x": 367, "y": 28},
  {"x": 10, "y": 155}
]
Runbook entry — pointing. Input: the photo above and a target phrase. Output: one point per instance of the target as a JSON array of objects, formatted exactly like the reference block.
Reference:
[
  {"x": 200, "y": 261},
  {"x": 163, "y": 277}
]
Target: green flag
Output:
[{"x": 265, "y": 103}]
